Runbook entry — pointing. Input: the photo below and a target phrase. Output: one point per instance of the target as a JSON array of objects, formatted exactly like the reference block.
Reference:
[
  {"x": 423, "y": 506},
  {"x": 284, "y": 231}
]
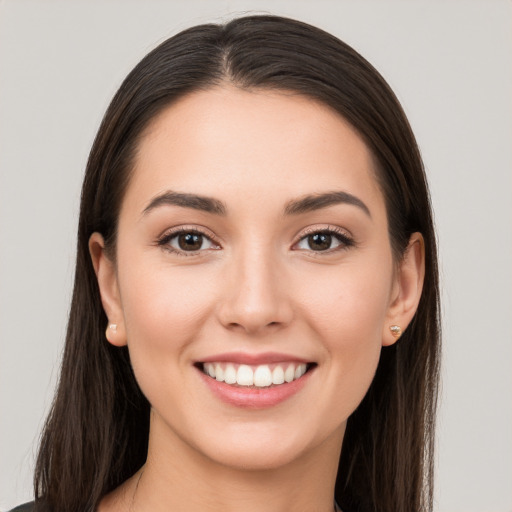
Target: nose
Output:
[{"x": 255, "y": 298}]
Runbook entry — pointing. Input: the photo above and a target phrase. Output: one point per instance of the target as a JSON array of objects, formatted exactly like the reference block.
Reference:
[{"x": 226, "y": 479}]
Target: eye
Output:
[
  {"x": 187, "y": 241},
  {"x": 324, "y": 241}
]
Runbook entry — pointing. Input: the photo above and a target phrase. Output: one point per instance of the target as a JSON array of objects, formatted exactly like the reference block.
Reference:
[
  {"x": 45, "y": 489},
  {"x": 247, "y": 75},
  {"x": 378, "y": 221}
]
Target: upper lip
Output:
[{"x": 253, "y": 359}]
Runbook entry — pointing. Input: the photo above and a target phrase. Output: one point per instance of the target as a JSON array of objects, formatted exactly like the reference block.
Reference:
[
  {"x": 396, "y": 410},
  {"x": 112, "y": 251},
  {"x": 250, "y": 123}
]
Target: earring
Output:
[
  {"x": 111, "y": 328},
  {"x": 396, "y": 331}
]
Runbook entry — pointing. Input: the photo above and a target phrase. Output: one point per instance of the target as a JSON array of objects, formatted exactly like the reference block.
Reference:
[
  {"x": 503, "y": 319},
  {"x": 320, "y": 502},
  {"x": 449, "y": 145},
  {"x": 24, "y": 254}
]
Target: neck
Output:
[{"x": 176, "y": 477}]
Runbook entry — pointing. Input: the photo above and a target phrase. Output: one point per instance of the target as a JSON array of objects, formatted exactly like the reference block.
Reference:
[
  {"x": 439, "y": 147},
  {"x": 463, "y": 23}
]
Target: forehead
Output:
[{"x": 228, "y": 142}]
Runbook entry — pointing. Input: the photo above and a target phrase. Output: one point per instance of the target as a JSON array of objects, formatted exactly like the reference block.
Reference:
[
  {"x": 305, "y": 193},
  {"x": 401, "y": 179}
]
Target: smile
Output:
[
  {"x": 258, "y": 376},
  {"x": 255, "y": 381}
]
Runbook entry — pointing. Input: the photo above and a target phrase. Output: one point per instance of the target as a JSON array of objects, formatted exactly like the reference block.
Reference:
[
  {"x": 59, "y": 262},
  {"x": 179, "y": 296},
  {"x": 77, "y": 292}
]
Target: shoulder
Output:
[{"x": 26, "y": 507}]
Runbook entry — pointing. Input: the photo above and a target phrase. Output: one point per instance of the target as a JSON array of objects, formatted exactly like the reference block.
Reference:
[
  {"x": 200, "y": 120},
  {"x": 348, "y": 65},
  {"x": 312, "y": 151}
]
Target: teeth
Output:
[
  {"x": 300, "y": 371},
  {"x": 260, "y": 376},
  {"x": 219, "y": 373},
  {"x": 289, "y": 374},
  {"x": 244, "y": 375},
  {"x": 278, "y": 375},
  {"x": 230, "y": 374}
]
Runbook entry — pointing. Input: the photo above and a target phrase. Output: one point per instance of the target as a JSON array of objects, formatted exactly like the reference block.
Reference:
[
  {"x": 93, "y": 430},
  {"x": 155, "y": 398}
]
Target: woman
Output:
[{"x": 254, "y": 322}]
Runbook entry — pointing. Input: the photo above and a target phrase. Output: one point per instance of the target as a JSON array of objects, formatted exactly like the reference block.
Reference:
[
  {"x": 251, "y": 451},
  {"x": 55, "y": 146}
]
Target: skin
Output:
[{"x": 257, "y": 287}]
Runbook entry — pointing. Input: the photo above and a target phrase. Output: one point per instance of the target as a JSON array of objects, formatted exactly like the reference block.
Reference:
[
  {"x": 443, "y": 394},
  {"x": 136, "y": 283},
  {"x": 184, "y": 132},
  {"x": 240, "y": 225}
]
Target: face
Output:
[{"x": 254, "y": 281}]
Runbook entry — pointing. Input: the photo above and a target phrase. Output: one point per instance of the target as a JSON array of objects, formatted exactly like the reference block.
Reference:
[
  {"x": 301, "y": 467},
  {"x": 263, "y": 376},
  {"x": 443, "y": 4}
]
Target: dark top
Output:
[{"x": 26, "y": 507}]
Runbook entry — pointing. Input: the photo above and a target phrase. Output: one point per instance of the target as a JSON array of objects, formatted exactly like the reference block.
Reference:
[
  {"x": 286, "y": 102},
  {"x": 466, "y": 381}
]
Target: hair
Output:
[{"x": 96, "y": 434}]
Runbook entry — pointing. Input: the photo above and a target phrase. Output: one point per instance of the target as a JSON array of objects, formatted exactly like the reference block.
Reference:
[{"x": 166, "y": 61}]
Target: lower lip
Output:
[{"x": 255, "y": 398}]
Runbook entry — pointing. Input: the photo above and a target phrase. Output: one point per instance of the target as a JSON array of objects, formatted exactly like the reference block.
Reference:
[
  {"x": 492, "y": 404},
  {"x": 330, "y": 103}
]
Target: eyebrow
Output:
[
  {"x": 194, "y": 201},
  {"x": 304, "y": 204},
  {"x": 318, "y": 201}
]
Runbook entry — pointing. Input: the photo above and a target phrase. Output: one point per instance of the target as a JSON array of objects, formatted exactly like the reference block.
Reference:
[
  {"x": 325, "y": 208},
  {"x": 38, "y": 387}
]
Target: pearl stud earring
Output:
[
  {"x": 396, "y": 331},
  {"x": 111, "y": 328}
]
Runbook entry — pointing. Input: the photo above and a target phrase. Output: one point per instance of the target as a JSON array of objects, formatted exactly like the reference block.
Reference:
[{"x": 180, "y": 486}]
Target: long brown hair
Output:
[{"x": 97, "y": 431}]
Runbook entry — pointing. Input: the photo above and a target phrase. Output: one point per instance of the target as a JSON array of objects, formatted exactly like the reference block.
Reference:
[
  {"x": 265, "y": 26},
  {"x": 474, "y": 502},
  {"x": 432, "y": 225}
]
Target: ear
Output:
[
  {"x": 407, "y": 289},
  {"x": 106, "y": 275}
]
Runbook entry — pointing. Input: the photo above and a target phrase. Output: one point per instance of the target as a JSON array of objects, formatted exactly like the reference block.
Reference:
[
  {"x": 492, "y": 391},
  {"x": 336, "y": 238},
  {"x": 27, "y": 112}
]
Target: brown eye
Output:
[
  {"x": 190, "y": 241},
  {"x": 319, "y": 241},
  {"x": 324, "y": 241}
]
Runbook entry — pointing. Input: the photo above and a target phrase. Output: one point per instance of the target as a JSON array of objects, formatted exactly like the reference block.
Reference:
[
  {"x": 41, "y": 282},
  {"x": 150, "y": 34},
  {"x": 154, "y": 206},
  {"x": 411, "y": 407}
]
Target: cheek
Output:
[
  {"x": 349, "y": 304},
  {"x": 347, "y": 311},
  {"x": 163, "y": 310}
]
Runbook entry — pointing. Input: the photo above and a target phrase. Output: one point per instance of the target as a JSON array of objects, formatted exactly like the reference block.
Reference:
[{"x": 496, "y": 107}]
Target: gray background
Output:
[{"x": 451, "y": 66}]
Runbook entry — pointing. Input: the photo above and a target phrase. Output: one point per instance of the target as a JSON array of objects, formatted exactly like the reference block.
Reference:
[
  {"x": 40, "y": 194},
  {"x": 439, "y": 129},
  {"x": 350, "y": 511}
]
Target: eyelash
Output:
[
  {"x": 164, "y": 241},
  {"x": 345, "y": 241}
]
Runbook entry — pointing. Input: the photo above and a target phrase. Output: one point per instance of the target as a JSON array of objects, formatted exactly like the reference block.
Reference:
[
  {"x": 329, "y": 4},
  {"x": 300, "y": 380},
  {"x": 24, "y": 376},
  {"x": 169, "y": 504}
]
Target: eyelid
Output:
[
  {"x": 170, "y": 233},
  {"x": 343, "y": 235},
  {"x": 186, "y": 228}
]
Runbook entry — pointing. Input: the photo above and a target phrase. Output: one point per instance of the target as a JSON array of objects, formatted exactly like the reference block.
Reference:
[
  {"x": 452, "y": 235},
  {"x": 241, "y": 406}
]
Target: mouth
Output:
[
  {"x": 260, "y": 376},
  {"x": 255, "y": 381}
]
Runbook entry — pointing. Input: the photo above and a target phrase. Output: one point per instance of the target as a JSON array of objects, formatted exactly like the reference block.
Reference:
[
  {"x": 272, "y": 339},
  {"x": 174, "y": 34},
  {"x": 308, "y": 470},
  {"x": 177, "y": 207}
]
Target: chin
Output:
[
  {"x": 257, "y": 457},
  {"x": 263, "y": 447}
]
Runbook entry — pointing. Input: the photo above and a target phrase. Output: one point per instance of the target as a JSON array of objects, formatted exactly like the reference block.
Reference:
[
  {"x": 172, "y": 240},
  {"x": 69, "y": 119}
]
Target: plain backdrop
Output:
[{"x": 450, "y": 64}]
